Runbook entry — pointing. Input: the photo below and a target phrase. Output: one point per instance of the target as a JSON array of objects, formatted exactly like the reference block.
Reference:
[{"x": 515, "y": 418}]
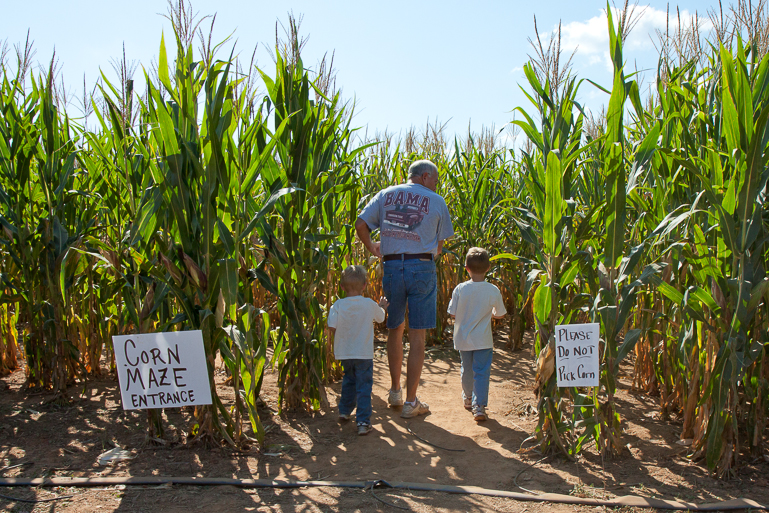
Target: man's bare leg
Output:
[
  {"x": 415, "y": 361},
  {"x": 395, "y": 355}
]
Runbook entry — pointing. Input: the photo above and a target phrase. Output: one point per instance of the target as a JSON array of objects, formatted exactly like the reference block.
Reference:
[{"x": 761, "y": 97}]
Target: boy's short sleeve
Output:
[
  {"x": 454, "y": 300},
  {"x": 379, "y": 313},
  {"x": 333, "y": 315},
  {"x": 370, "y": 212},
  {"x": 498, "y": 304}
]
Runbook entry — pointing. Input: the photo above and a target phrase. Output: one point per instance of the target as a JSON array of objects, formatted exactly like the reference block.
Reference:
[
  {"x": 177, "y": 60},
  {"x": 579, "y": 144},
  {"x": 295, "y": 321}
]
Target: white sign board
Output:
[
  {"x": 162, "y": 370},
  {"x": 576, "y": 355}
]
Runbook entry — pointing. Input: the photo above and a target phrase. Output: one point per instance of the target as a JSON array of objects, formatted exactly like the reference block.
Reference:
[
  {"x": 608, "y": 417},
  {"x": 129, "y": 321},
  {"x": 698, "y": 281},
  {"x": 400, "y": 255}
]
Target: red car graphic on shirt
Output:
[{"x": 404, "y": 216}]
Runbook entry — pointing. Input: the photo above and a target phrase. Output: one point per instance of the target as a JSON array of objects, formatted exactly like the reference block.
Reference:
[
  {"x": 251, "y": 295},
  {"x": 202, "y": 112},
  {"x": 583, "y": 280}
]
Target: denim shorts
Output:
[{"x": 412, "y": 283}]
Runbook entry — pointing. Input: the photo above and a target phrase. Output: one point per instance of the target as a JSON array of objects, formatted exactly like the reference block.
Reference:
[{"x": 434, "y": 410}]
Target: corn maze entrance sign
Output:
[
  {"x": 576, "y": 355},
  {"x": 162, "y": 370}
]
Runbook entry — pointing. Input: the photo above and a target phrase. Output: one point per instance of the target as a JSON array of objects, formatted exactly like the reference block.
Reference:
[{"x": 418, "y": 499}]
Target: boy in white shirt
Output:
[
  {"x": 351, "y": 319},
  {"x": 473, "y": 304}
]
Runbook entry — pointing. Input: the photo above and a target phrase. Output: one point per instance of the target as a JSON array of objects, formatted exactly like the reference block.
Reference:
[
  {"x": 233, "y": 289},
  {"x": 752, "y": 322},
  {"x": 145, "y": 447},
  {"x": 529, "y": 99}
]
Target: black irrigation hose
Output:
[
  {"x": 429, "y": 442},
  {"x": 381, "y": 483},
  {"x": 527, "y": 467},
  {"x": 30, "y": 501},
  {"x": 628, "y": 500},
  {"x": 33, "y": 501}
]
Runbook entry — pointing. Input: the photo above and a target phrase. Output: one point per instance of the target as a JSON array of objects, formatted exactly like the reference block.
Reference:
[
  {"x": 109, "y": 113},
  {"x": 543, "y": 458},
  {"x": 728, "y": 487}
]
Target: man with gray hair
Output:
[{"x": 413, "y": 222}]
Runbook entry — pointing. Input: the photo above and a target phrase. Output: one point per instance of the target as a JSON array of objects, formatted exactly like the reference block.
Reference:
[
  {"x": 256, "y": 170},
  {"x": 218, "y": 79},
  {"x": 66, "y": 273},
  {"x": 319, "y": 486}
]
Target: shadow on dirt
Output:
[{"x": 443, "y": 448}]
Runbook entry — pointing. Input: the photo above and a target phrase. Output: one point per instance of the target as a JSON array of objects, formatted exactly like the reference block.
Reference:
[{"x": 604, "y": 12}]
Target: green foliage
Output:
[
  {"x": 202, "y": 205},
  {"x": 309, "y": 232}
]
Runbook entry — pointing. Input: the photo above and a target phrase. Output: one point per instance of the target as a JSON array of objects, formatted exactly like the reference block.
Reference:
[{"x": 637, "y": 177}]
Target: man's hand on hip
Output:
[{"x": 364, "y": 234}]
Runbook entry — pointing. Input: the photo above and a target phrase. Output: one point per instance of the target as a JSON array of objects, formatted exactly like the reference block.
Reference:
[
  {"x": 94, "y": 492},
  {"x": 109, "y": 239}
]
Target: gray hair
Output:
[{"x": 421, "y": 167}]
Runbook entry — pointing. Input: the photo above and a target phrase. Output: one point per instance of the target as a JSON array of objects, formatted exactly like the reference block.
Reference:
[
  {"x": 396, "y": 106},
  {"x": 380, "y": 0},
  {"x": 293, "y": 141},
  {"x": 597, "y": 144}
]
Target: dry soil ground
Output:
[{"x": 66, "y": 441}]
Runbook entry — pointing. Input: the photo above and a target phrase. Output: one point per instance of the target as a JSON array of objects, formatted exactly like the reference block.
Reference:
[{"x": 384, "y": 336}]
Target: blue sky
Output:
[{"x": 402, "y": 62}]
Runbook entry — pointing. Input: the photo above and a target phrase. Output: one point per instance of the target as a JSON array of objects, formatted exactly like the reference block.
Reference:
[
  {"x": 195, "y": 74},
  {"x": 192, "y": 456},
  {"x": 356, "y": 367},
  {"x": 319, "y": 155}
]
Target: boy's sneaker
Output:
[
  {"x": 479, "y": 413},
  {"x": 395, "y": 397},
  {"x": 412, "y": 410},
  {"x": 468, "y": 404},
  {"x": 364, "y": 429},
  {"x": 344, "y": 417}
]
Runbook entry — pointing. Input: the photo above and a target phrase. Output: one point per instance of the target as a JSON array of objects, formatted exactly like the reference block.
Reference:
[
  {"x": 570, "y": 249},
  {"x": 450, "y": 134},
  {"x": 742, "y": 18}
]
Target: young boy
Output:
[
  {"x": 473, "y": 304},
  {"x": 351, "y": 319}
]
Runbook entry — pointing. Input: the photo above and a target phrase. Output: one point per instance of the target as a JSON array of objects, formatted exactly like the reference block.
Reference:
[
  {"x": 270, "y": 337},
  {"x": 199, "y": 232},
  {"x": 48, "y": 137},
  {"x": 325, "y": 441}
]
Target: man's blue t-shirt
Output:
[{"x": 411, "y": 218}]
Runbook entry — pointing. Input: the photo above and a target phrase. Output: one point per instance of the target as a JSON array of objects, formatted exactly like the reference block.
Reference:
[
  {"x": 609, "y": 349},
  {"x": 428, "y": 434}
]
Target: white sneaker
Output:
[
  {"x": 395, "y": 397},
  {"x": 479, "y": 413},
  {"x": 468, "y": 404},
  {"x": 418, "y": 408}
]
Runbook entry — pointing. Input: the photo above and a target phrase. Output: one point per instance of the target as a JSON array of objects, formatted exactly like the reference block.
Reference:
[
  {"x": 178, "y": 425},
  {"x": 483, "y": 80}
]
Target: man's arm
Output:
[
  {"x": 445, "y": 227},
  {"x": 364, "y": 234}
]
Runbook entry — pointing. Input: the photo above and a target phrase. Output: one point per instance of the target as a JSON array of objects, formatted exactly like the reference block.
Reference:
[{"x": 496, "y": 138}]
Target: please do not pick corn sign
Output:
[
  {"x": 576, "y": 355},
  {"x": 162, "y": 370}
]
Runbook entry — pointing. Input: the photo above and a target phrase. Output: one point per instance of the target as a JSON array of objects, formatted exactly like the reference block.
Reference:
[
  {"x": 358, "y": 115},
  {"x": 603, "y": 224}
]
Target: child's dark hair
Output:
[
  {"x": 354, "y": 275},
  {"x": 477, "y": 260}
]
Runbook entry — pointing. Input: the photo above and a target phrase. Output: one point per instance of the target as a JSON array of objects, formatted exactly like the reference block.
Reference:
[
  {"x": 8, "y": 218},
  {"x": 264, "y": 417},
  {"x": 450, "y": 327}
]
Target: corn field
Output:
[{"x": 203, "y": 204}]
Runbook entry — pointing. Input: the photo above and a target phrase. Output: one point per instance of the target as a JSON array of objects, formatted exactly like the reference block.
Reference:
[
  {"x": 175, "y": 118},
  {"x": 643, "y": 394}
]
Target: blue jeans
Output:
[
  {"x": 413, "y": 283},
  {"x": 476, "y": 371},
  {"x": 356, "y": 389}
]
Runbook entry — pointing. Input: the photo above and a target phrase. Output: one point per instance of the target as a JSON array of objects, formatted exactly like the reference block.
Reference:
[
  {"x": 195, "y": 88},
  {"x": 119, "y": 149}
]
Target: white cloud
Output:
[
  {"x": 590, "y": 38},
  {"x": 587, "y": 37}
]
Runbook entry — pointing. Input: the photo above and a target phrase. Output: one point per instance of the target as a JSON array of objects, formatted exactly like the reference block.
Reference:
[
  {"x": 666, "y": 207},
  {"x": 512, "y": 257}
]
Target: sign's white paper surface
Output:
[
  {"x": 576, "y": 355},
  {"x": 162, "y": 370}
]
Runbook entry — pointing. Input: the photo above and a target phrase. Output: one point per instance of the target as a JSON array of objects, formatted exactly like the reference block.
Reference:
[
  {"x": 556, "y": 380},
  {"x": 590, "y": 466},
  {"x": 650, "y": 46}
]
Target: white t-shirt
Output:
[
  {"x": 473, "y": 303},
  {"x": 353, "y": 317}
]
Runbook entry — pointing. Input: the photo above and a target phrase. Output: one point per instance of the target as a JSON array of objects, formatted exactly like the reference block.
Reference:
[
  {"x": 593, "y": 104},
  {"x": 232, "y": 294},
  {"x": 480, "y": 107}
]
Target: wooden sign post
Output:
[
  {"x": 162, "y": 370},
  {"x": 576, "y": 355}
]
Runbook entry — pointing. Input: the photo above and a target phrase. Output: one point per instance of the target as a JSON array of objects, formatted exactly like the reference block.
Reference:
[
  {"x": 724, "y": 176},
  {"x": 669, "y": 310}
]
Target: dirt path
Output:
[{"x": 66, "y": 442}]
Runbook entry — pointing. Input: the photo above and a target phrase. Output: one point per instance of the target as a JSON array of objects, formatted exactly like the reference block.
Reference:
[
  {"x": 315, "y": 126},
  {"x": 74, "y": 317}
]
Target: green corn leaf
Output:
[
  {"x": 163, "y": 65},
  {"x": 631, "y": 339},
  {"x": 225, "y": 236},
  {"x": 266, "y": 208},
  {"x": 668, "y": 291},
  {"x": 553, "y": 204},
  {"x": 543, "y": 302},
  {"x": 702, "y": 295},
  {"x": 628, "y": 264},
  {"x": 238, "y": 339},
  {"x": 758, "y": 293},
  {"x": 615, "y": 205},
  {"x": 568, "y": 277},
  {"x": 730, "y": 116},
  {"x": 229, "y": 280}
]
